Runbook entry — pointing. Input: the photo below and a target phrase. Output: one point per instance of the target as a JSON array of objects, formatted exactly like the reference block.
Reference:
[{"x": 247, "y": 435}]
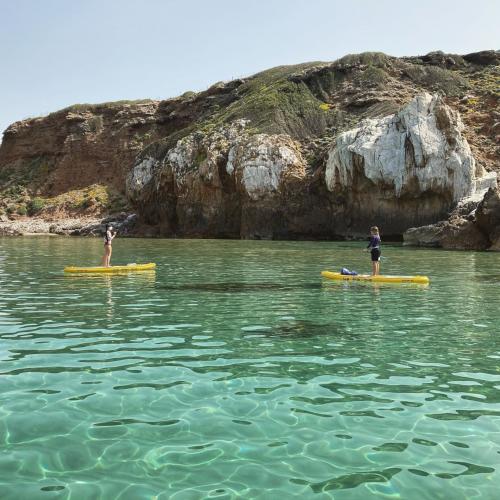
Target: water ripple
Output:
[{"x": 187, "y": 383}]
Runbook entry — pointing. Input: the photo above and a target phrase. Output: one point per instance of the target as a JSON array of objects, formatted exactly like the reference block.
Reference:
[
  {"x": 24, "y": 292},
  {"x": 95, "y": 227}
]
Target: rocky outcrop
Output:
[
  {"x": 454, "y": 234},
  {"x": 123, "y": 223},
  {"x": 415, "y": 163},
  {"x": 417, "y": 150},
  {"x": 78, "y": 146},
  {"x": 224, "y": 183},
  {"x": 488, "y": 217},
  {"x": 182, "y": 189},
  {"x": 472, "y": 226}
]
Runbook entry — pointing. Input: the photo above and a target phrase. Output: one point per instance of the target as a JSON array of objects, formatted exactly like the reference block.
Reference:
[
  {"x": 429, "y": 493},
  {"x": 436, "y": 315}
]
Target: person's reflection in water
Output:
[
  {"x": 376, "y": 308},
  {"x": 110, "y": 305}
]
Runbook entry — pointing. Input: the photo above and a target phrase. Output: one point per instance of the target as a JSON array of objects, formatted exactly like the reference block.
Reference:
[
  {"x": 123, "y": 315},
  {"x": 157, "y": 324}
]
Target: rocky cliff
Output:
[
  {"x": 319, "y": 150},
  {"x": 406, "y": 168},
  {"x": 474, "y": 224}
]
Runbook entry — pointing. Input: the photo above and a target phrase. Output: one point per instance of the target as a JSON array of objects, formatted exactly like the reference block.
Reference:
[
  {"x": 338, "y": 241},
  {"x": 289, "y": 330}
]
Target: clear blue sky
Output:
[{"x": 59, "y": 52}]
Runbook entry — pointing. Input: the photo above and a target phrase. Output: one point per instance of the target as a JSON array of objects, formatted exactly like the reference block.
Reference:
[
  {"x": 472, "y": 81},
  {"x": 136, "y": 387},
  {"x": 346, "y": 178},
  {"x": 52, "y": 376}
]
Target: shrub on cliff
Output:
[
  {"x": 436, "y": 78},
  {"x": 22, "y": 210},
  {"x": 36, "y": 205}
]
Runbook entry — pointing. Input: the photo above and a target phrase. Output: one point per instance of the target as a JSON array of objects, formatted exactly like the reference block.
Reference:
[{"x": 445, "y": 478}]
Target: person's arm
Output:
[{"x": 113, "y": 235}]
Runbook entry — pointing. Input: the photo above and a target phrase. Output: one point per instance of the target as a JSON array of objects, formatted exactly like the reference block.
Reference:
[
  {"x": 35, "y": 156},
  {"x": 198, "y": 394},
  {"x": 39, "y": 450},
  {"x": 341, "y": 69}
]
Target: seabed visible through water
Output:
[{"x": 236, "y": 371}]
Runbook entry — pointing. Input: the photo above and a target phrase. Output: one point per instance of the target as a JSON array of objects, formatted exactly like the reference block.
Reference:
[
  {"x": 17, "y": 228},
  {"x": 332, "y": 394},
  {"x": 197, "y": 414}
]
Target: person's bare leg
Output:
[
  {"x": 377, "y": 267},
  {"x": 109, "y": 255},
  {"x": 374, "y": 268},
  {"x": 106, "y": 255}
]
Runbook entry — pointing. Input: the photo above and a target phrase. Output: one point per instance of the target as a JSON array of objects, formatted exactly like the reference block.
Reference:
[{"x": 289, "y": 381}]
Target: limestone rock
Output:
[
  {"x": 223, "y": 182},
  {"x": 140, "y": 176},
  {"x": 415, "y": 164},
  {"x": 417, "y": 150},
  {"x": 488, "y": 217},
  {"x": 479, "y": 230},
  {"x": 262, "y": 162},
  {"x": 459, "y": 234},
  {"x": 488, "y": 211}
]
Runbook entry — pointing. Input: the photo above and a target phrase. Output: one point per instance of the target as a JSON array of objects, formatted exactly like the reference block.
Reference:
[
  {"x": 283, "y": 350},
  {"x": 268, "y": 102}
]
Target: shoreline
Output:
[
  {"x": 49, "y": 227},
  {"x": 67, "y": 226},
  {"x": 94, "y": 228}
]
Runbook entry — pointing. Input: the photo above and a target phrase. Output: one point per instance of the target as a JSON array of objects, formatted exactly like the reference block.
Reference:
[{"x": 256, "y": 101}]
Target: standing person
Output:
[
  {"x": 108, "y": 238},
  {"x": 374, "y": 247}
]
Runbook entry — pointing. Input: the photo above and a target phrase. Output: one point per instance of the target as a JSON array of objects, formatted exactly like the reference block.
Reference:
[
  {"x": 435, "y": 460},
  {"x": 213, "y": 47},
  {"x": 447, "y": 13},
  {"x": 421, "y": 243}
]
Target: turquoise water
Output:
[{"x": 234, "y": 371}]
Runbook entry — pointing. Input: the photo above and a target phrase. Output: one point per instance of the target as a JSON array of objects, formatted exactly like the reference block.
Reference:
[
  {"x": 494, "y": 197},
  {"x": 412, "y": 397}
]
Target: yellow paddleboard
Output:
[
  {"x": 423, "y": 280},
  {"x": 111, "y": 269}
]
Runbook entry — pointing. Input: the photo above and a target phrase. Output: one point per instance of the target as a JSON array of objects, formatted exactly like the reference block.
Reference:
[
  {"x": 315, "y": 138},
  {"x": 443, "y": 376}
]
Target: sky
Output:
[{"x": 54, "y": 53}]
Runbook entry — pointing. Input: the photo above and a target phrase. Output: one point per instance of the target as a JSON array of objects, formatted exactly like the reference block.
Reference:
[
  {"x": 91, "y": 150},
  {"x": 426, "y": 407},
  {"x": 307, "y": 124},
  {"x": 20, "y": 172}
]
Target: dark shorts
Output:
[{"x": 375, "y": 254}]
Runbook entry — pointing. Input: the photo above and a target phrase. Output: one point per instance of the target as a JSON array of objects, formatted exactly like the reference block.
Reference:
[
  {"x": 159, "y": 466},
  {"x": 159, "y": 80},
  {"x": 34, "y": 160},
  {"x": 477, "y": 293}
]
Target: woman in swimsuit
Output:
[
  {"x": 108, "y": 238},
  {"x": 374, "y": 247}
]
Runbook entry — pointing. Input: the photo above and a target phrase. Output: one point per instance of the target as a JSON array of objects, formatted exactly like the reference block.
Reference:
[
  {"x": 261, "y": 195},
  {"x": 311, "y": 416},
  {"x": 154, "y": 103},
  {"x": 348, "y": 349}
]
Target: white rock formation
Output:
[
  {"x": 416, "y": 150},
  {"x": 257, "y": 163},
  {"x": 260, "y": 162},
  {"x": 141, "y": 175},
  {"x": 201, "y": 152}
]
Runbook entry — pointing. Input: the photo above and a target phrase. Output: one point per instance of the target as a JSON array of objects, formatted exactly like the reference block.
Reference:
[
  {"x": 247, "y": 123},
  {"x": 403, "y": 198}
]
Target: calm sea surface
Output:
[{"x": 235, "y": 371}]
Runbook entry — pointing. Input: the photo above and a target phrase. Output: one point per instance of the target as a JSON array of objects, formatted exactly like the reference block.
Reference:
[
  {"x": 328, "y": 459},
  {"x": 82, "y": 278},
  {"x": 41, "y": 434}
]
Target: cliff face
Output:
[
  {"x": 404, "y": 169},
  {"x": 318, "y": 150},
  {"x": 80, "y": 145},
  {"x": 59, "y": 157},
  {"x": 419, "y": 149},
  {"x": 227, "y": 183}
]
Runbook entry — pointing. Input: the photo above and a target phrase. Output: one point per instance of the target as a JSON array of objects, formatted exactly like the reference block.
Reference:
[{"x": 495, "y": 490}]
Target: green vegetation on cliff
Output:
[
  {"x": 21, "y": 188},
  {"x": 317, "y": 100}
]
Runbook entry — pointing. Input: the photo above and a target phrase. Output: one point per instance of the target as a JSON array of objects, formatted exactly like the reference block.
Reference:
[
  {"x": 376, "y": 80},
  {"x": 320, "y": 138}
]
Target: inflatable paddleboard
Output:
[
  {"x": 111, "y": 269},
  {"x": 423, "y": 280}
]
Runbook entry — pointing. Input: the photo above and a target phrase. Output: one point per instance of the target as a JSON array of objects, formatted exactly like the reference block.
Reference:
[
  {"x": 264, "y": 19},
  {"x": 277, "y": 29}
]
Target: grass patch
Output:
[
  {"x": 30, "y": 174},
  {"x": 18, "y": 200},
  {"x": 281, "y": 106},
  {"x": 486, "y": 81},
  {"x": 436, "y": 78},
  {"x": 103, "y": 105},
  {"x": 365, "y": 58},
  {"x": 80, "y": 199}
]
